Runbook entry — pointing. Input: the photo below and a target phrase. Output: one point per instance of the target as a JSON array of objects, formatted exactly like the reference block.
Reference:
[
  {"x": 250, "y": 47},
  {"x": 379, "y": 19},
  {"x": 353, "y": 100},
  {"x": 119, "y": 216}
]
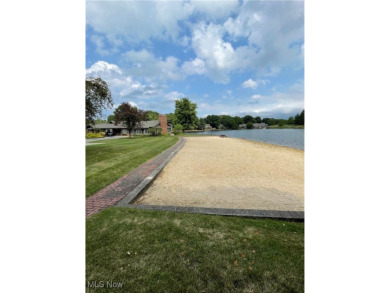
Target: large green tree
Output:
[
  {"x": 171, "y": 118},
  {"x": 269, "y": 121},
  {"x": 110, "y": 118},
  {"x": 248, "y": 118},
  {"x": 202, "y": 123},
  {"x": 130, "y": 116},
  {"x": 213, "y": 120},
  {"x": 185, "y": 113},
  {"x": 152, "y": 115},
  {"x": 300, "y": 118},
  {"x": 229, "y": 122},
  {"x": 97, "y": 98},
  {"x": 99, "y": 121},
  {"x": 238, "y": 120},
  {"x": 281, "y": 122}
]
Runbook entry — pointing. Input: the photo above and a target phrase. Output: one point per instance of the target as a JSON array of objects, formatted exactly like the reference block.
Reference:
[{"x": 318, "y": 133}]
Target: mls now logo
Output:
[{"x": 102, "y": 284}]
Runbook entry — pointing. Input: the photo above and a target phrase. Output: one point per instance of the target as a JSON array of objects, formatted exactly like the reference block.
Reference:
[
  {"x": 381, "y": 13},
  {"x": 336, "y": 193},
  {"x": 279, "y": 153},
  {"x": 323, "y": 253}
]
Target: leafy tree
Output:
[
  {"x": 99, "y": 121},
  {"x": 270, "y": 121},
  {"x": 202, "y": 123},
  {"x": 152, "y": 115},
  {"x": 238, "y": 120},
  {"x": 130, "y": 116},
  {"x": 290, "y": 120},
  {"x": 171, "y": 118},
  {"x": 213, "y": 120},
  {"x": 185, "y": 113},
  {"x": 249, "y": 125},
  {"x": 248, "y": 118},
  {"x": 258, "y": 119},
  {"x": 178, "y": 128},
  {"x": 97, "y": 98},
  {"x": 228, "y": 121},
  {"x": 196, "y": 124},
  {"x": 300, "y": 118},
  {"x": 110, "y": 118},
  {"x": 281, "y": 122}
]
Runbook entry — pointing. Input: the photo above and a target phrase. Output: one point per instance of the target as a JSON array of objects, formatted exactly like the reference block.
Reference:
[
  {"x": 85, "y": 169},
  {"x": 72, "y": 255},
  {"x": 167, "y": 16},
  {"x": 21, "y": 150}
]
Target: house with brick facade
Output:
[{"x": 120, "y": 129}]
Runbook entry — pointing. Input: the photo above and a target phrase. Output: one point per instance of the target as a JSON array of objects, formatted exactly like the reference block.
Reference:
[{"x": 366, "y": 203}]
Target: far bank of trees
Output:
[
  {"x": 233, "y": 122},
  {"x": 185, "y": 118},
  {"x": 98, "y": 97}
]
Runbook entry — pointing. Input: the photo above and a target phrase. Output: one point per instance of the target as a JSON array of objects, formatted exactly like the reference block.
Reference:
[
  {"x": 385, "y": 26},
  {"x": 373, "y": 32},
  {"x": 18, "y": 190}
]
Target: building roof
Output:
[
  {"x": 108, "y": 126},
  {"x": 144, "y": 124},
  {"x": 149, "y": 124}
]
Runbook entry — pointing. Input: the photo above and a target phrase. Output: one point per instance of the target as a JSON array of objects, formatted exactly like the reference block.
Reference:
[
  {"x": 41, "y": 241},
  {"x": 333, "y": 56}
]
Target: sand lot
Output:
[{"x": 231, "y": 173}]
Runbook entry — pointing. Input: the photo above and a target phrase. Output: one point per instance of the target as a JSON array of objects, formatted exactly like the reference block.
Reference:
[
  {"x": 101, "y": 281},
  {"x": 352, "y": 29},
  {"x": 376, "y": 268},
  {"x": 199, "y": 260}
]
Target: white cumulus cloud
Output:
[
  {"x": 196, "y": 66},
  {"x": 173, "y": 96},
  {"x": 103, "y": 67},
  {"x": 256, "y": 97},
  {"x": 145, "y": 65},
  {"x": 250, "y": 83}
]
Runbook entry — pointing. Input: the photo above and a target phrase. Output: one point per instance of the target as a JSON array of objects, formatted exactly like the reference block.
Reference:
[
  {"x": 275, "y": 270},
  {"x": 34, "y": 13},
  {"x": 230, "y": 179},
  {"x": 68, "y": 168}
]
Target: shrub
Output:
[
  {"x": 178, "y": 128},
  {"x": 155, "y": 131},
  {"x": 95, "y": 135},
  {"x": 249, "y": 125}
]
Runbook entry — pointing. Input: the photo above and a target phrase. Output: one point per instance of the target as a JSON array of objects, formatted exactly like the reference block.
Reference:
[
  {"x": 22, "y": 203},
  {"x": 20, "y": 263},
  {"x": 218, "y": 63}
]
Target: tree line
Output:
[{"x": 98, "y": 97}]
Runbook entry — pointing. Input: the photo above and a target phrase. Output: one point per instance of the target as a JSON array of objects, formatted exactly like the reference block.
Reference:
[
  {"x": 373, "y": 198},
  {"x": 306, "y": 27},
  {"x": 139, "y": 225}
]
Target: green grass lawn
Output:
[
  {"x": 111, "y": 159},
  {"x": 155, "y": 251}
]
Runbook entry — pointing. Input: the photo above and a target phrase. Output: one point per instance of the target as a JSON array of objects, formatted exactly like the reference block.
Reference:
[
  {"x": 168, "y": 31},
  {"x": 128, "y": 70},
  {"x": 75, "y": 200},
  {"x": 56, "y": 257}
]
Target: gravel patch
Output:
[{"x": 231, "y": 173}]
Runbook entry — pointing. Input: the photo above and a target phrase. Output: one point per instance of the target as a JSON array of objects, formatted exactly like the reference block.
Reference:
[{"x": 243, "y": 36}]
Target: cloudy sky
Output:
[{"x": 230, "y": 57}]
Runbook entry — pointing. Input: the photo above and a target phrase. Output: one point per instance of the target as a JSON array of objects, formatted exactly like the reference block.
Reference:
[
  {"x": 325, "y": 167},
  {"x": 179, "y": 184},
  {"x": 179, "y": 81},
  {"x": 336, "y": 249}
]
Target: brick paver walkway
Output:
[{"x": 113, "y": 193}]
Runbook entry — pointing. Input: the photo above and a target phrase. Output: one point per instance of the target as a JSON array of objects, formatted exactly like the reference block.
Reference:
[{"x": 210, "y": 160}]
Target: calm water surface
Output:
[{"x": 294, "y": 138}]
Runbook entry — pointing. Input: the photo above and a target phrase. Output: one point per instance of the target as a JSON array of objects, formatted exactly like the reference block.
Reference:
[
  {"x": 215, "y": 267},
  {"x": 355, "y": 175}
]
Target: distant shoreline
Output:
[
  {"x": 268, "y": 127},
  {"x": 292, "y": 138}
]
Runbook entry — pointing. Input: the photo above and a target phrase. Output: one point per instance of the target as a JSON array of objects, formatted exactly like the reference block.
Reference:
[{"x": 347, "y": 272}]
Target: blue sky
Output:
[{"x": 230, "y": 57}]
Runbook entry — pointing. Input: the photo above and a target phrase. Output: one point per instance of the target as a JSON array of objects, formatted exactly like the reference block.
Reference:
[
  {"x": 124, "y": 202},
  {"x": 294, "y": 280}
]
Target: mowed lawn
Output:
[
  {"x": 108, "y": 160},
  {"x": 157, "y": 251}
]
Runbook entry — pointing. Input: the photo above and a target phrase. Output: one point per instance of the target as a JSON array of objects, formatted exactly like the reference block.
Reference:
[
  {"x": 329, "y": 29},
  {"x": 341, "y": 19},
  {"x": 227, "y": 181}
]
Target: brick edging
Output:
[
  {"x": 137, "y": 191},
  {"x": 116, "y": 191}
]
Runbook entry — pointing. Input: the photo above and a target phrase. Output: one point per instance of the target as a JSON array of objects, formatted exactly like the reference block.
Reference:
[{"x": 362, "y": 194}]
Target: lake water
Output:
[{"x": 294, "y": 138}]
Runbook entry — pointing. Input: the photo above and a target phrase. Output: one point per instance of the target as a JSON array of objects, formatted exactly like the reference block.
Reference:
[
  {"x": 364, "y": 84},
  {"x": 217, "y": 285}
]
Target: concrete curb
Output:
[
  {"x": 137, "y": 191},
  {"x": 270, "y": 214}
]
